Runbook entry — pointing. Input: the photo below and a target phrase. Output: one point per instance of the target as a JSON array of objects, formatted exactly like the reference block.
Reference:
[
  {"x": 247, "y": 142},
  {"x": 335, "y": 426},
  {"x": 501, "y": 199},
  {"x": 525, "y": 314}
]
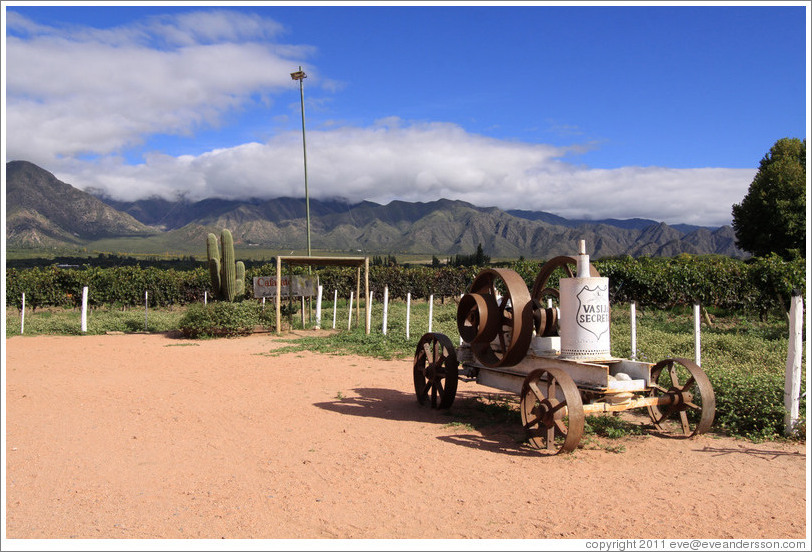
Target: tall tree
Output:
[{"x": 772, "y": 216}]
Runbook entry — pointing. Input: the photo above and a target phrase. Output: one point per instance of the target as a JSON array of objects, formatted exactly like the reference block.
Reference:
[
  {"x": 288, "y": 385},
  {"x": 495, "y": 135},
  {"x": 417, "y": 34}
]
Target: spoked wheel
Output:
[
  {"x": 503, "y": 334},
  {"x": 552, "y": 410},
  {"x": 435, "y": 370},
  {"x": 688, "y": 403}
]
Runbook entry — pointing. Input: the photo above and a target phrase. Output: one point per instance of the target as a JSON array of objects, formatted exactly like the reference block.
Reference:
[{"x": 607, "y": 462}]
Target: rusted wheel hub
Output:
[
  {"x": 435, "y": 370},
  {"x": 687, "y": 404},
  {"x": 552, "y": 410}
]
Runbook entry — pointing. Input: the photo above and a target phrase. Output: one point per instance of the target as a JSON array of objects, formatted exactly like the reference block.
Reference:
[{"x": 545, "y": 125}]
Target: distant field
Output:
[{"x": 130, "y": 247}]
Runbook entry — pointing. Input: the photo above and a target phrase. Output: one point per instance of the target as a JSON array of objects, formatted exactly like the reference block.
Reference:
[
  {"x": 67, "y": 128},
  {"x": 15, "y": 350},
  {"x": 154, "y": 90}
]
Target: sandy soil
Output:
[{"x": 146, "y": 436}]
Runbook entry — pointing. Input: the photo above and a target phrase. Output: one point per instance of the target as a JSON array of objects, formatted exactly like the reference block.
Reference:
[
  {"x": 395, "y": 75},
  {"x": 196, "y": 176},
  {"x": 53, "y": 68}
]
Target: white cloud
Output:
[
  {"x": 424, "y": 162},
  {"x": 79, "y": 92},
  {"x": 97, "y": 92}
]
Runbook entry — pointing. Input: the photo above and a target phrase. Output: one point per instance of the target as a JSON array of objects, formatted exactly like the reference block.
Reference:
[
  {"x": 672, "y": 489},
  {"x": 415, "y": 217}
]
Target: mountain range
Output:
[{"x": 44, "y": 212}]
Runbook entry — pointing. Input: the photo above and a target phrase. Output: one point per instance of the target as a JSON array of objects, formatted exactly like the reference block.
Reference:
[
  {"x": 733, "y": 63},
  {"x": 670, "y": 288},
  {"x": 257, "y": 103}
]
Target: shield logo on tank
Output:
[{"x": 593, "y": 310}]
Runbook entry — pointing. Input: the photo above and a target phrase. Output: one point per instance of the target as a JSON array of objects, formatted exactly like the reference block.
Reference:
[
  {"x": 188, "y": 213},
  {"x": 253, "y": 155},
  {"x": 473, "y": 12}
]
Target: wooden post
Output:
[
  {"x": 633, "y": 316},
  {"x": 278, "y": 295},
  {"x": 431, "y": 310},
  {"x": 335, "y": 305},
  {"x": 349, "y": 319},
  {"x": 22, "y": 316},
  {"x": 385, "y": 307},
  {"x": 408, "y": 309},
  {"x": 697, "y": 340},
  {"x": 84, "y": 309},
  {"x": 146, "y": 311},
  {"x": 792, "y": 381},
  {"x": 318, "y": 308},
  {"x": 303, "y": 311},
  {"x": 358, "y": 295}
]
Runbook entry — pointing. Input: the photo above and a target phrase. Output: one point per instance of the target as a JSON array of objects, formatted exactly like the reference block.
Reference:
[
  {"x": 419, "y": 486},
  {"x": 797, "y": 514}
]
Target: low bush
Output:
[{"x": 223, "y": 319}]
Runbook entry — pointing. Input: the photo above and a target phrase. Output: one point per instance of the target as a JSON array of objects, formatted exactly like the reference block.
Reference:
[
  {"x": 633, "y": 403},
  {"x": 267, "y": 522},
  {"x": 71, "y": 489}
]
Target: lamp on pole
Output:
[{"x": 300, "y": 76}]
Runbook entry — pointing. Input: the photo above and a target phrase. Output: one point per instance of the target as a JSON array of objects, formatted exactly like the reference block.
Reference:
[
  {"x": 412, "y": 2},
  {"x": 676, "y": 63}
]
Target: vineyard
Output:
[{"x": 758, "y": 286}]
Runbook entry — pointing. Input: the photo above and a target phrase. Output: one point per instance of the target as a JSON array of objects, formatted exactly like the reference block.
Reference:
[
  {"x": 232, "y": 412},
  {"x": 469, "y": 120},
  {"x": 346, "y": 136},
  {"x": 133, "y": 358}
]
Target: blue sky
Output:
[{"x": 588, "y": 111}]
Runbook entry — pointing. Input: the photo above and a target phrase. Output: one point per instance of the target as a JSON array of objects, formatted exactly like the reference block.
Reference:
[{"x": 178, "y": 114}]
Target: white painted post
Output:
[
  {"x": 318, "y": 307},
  {"x": 335, "y": 304},
  {"x": 349, "y": 320},
  {"x": 633, "y": 315},
  {"x": 84, "y": 309},
  {"x": 146, "y": 310},
  {"x": 408, "y": 311},
  {"x": 792, "y": 381},
  {"x": 461, "y": 296},
  {"x": 22, "y": 316},
  {"x": 369, "y": 310},
  {"x": 431, "y": 310},
  {"x": 385, "y": 307},
  {"x": 263, "y": 303},
  {"x": 206, "y": 298},
  {"x": 697, "y": 341},
  {"x": 303, "y": 312}
]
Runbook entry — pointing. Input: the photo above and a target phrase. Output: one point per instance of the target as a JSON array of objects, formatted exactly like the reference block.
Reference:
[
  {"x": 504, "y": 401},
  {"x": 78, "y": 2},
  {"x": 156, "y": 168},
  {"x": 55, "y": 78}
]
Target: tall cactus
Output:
[{"x": 227, "y": 277}]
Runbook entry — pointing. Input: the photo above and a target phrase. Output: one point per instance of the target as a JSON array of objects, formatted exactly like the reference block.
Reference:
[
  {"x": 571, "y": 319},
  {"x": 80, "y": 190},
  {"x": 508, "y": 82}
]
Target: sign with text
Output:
[{"x": 265, "y": 286}]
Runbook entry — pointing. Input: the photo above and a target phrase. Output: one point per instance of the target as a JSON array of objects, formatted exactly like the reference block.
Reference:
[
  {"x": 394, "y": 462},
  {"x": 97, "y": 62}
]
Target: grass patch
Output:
[
  {"x": 611, "y": 427},
  {"x": 53, "y": 321}
]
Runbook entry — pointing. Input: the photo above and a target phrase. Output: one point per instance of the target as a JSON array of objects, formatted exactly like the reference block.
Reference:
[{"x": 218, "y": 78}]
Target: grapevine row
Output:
[{"x": 757, "y": 285}]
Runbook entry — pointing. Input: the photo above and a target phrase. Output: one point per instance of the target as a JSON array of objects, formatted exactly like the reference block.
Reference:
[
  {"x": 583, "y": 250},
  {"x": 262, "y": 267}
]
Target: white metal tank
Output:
[{"x": 584, "y": 321}]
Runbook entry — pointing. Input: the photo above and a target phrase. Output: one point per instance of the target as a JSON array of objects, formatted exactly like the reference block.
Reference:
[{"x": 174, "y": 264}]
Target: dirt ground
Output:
[{"x": 148, "y": 436}]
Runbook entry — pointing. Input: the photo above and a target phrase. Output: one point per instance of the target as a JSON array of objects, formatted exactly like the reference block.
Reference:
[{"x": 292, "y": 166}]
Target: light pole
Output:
[{"x": 300, "y": 76}]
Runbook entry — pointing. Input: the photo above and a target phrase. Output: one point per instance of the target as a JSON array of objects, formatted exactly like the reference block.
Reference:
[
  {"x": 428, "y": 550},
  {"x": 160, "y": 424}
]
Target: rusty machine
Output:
[{"x": 552, "y": 347}]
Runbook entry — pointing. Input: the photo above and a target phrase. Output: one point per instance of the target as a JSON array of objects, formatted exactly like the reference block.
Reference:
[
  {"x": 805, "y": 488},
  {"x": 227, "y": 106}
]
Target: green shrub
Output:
[{"x": 223, "y": 319}]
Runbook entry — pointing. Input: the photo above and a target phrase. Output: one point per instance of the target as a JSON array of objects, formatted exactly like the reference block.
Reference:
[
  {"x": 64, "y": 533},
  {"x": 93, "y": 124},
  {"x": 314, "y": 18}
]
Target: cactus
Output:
[{"x": 227, "y": 277}]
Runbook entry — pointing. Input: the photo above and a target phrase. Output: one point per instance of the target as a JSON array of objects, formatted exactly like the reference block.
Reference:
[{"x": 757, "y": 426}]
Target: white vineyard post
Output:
[
  {"x": 22, "y": 316},
  {"x": 349, "y": 320},
  {"x": 461, "y": 296},
  {"x": 84, "y": 309},
  {"x": 633, "y": 316},
  {"x": 385, "y": 307},
  {"x": 335, "y": 304},
  {"x": 408, "y": 311},
  {"x": 318, "y": 307},
  {"x": 206, "y": 298},
  {"x": 792, "y": 382},
  {"x": 369, "y": 310},
  {"x": 697, "y": 340},
  {"x": 431, "y": 310},
  {"x": 146, "y": 311}
]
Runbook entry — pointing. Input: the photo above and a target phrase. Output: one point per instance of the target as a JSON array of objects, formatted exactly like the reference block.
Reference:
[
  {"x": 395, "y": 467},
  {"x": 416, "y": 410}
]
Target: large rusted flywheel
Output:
[
  {"x": 496, "y": 317},
  {"x": 564, "y": 262}
]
